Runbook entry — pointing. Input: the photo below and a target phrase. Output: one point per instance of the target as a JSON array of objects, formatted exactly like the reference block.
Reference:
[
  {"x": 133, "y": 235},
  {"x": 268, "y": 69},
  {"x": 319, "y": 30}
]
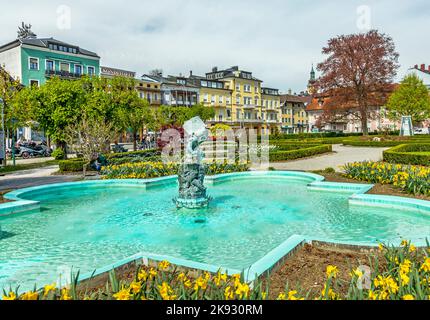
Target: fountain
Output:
[{"x": 191, "y": 175}]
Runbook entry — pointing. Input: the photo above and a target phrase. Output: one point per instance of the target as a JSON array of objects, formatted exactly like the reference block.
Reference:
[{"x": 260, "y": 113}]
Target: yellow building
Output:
[
  {"x": 214, "y": 93},
  {"x": 294, "y": 116},
  {"x": 246, "y": 109},
  {"x": 149, "y": 89},
  {"x": 271, "y": 110}
]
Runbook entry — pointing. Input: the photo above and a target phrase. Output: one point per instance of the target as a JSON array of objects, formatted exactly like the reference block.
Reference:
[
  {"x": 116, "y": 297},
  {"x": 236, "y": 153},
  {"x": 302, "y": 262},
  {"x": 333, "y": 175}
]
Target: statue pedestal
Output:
[{"x": 192, "y": 192}]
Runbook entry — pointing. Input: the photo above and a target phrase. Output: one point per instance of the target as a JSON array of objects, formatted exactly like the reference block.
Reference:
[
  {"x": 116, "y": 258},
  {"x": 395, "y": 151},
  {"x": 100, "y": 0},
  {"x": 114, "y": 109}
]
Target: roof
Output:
[
  {"x": 322, "y": 101},
  {"x": 230, "y": 73},
  {"x": 44, "y": 43},
  {"x": 295, "y": 99}
]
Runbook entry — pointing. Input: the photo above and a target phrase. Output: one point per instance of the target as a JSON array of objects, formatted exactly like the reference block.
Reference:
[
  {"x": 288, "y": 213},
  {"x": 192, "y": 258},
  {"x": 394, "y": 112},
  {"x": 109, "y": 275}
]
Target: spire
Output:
[{"x": 312, "y": 78}]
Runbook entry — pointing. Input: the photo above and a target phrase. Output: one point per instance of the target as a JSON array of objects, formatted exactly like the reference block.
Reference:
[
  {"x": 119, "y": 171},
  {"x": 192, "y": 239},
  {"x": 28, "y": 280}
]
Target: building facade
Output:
[
  {"x": 294, "y": 113},
  {"x": 34, "y": 60},
  {"x": 247, "y": 109}
]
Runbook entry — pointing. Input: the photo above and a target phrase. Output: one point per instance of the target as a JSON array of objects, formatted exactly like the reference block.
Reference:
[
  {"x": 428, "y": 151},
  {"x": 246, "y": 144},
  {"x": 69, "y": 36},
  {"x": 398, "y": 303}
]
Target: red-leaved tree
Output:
[{"x": 357, "y": 74}]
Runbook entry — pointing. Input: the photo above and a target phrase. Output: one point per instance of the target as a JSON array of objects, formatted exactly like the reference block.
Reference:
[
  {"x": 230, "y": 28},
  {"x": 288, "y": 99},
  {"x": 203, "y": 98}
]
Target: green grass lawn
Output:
[{"x": 19, "y": 167}]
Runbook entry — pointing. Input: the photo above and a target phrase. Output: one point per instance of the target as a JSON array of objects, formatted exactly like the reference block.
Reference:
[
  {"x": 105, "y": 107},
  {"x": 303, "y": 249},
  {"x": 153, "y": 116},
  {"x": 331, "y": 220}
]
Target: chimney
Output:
[
  {"x": 423, "y": 67},
  {"x": 214, "y": 69},
  {"x": 289, "y": 91},
  {"x": 191, "y": 73},
  {"x": 416, "y": 67},
  {"x": 429, "y": 67}
]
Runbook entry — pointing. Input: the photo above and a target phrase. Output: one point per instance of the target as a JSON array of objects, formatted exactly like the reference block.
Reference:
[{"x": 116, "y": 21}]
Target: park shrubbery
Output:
[
  {"x": 416, "y": 153},
  {"x": 320, "y": 135},
  {"x": 397, "y": 274},
  {"x": 144, "y": 170},
  {"x": 306, "y": 151},
  {"x": 72, "y": 165},
  {"x": 412, "y": 179}
]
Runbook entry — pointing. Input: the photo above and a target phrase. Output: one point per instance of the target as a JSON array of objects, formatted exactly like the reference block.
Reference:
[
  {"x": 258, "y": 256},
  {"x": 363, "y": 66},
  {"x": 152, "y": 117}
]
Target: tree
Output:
[
  {"x": 89, "y": 137},
  {"x": 55, "y": 105},
  {"x": 171, "y": 115},
  {"x": 136, "y": 116},
  {"x": 411, "y": 98},
  {"x": 356, "y": 73},
  {"x": 9, "y": 87}
]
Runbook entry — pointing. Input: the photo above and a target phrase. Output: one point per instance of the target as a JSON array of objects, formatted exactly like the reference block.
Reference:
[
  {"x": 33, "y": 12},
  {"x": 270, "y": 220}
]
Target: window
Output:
[
  {"x": 227, "y": 100},
  {"x": 238, "y": 100},
  {"x": 237, "y": 87},
  {"x": 213, "y": 98},
  {"x": 91, "y": 71},
  {"x": 78, "y": 69},
  {"x": 155, "y": 96},
  {"x": 148, "y": 97},
  {"x": 228, "y": 113},
  {"x": 34, "y": 83},
  {"x": 50, "y": 65},
  {"x": 33, "y": 63},
  {"x": 206, "y": 98},
  {"x": 64, "y": 67},
  {"x": 256, "y": 89},
  {"x": 204, "y": 83}
]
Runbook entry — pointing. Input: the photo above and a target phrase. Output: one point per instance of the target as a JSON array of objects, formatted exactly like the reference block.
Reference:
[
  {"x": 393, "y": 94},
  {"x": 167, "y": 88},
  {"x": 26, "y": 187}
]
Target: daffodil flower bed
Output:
[
  {"x": 404, "y": 274},
  {"x": 144, "y": 170},
  {"x": 412, "y": 179}
]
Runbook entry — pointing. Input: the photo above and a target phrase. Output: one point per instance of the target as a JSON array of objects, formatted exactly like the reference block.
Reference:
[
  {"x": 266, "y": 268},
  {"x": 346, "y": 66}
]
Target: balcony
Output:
[
  {"x": 272, "y": 121},
  {"x": 249, "y": 106},
  {"x": 62, "y": 74}
]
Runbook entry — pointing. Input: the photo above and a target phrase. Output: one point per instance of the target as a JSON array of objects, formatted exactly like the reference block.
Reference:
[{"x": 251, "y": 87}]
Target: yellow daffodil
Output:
[
  {"x": 164, "y": 265},
  {"x": 30, "y": 295},
  {"x": 142, "y": 275},
  {"x": 408, "y": 297},
  {"x": 228, "y": 293},
  {"x": 282, "y": 296},
  {"x": 426, "y": 265},
  {"x": 292, "y": 295},
  {"x": 356, "y": 273},
  {"x": 65, "y": 294},
  {"x": 48, "y": 288},
  {"x": 10, "y": 296},
  {"x": 332, "y": 271},
  {"x": 123, "y": 294},
  {"x": 135, "y": 287}
]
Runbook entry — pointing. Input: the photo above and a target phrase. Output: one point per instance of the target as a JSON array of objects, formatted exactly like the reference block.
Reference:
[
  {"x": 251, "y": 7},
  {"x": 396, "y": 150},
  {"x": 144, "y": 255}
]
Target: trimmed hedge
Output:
[
  {"x": 381, "y": 144},
  {"x": 72, "y": 165},
  {"x": 414, "y": 153},
  {"x": 283, "y": 155},
  {"x": 320, "y": 135}
]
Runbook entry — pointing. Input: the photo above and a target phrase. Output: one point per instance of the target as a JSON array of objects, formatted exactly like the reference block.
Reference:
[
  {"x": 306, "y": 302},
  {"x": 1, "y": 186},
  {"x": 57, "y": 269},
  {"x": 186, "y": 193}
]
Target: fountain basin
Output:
[{"x": 92, "y": 224}]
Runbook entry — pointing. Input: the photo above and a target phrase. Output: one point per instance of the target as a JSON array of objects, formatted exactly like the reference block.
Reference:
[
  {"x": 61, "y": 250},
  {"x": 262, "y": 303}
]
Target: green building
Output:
[{"x": 33, "y": 60}]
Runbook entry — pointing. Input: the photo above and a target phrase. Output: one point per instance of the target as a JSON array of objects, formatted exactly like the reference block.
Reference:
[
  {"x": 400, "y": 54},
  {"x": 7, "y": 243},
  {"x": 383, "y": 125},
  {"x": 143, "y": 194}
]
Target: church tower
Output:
[{"x": 311, "y": 82}]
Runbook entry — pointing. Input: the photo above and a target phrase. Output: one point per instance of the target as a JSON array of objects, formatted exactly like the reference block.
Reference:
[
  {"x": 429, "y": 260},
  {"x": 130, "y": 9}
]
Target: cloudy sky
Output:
[{"x": 276, "y": 40}]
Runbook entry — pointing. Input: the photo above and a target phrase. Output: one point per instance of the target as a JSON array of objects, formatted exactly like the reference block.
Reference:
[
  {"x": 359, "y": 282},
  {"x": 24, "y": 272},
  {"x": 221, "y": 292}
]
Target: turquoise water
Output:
[{"x": 87, "y": 228}]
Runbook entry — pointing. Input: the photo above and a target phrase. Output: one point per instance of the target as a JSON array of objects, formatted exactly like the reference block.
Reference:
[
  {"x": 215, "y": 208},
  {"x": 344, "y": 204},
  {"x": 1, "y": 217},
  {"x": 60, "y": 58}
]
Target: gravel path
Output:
[{"x": 340, "y": 156}]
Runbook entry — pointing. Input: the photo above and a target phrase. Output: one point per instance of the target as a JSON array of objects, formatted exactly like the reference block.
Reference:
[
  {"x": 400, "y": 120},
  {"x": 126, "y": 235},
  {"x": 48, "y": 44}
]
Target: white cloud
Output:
[{"x": 276, "y": 40}]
